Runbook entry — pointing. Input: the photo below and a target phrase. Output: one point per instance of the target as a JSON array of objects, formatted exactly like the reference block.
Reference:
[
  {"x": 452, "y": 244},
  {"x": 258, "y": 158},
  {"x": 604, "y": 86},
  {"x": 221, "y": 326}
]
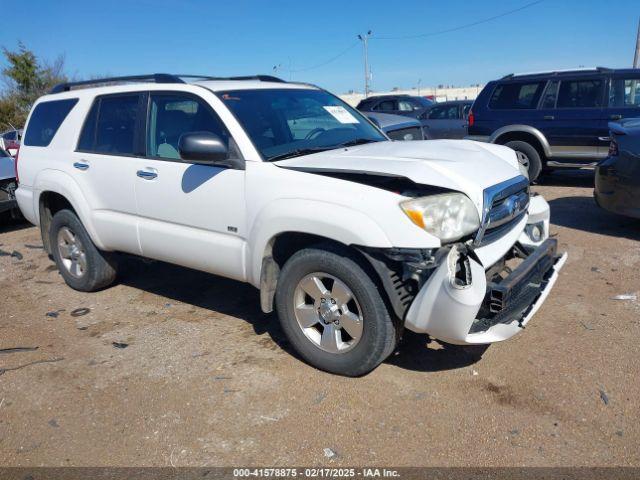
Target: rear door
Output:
[
  {"x": 192, "y": 215},
  {"x": 442, "y": 121},
  {"x": 576, "y": 128},
  {"x": 104, "y": 165}
]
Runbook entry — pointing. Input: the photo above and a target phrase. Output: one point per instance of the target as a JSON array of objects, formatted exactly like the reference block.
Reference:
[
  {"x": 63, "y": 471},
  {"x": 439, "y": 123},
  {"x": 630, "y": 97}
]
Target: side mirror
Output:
[{"x": 206, "y": 148}]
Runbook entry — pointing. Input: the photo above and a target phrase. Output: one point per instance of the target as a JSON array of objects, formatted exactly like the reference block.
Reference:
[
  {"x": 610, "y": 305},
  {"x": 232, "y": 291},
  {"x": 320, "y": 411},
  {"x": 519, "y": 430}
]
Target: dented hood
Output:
[{"x": 461, "y": 165}]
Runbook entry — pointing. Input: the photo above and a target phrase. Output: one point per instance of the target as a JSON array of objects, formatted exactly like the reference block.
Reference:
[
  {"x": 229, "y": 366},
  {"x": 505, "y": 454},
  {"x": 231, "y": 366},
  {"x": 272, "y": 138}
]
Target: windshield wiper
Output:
[
  {"x": 356, "y": 141},
  {"x": 300, "y": 151}
]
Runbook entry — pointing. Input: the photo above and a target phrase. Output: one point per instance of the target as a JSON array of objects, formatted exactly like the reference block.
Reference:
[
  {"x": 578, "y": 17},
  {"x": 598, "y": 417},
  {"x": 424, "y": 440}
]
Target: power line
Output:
[
  {"x": 332, "y": 59},
  {"x": 460, "y": 27}
]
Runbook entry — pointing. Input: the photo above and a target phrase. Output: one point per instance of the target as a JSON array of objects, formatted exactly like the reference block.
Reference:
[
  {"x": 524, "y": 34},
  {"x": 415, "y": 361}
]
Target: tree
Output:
[{"x": 25, "y": 80}]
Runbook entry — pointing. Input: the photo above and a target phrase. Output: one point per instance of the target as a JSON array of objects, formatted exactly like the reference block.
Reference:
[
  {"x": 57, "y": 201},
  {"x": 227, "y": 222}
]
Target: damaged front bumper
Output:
[{"x": 490, "y": 306}]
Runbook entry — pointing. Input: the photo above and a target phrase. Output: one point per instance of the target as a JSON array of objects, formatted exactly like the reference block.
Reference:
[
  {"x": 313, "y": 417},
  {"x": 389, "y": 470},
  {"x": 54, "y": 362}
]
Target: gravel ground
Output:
[{"x": 206, "y": 379}]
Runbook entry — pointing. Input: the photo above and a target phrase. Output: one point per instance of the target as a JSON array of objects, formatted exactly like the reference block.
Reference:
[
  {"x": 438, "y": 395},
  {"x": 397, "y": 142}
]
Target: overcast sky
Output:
[{"x": 249, "y": 37}]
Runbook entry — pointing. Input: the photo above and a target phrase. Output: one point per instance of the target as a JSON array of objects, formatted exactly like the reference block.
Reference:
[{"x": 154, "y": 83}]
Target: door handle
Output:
[
  {"x": 81, "y": 165},
  {"x": 615, "y": 117},
  {"x": 146, "y": 175},
  {"x": 549, "y": 117},
  {"x": 604, "y": 139}
]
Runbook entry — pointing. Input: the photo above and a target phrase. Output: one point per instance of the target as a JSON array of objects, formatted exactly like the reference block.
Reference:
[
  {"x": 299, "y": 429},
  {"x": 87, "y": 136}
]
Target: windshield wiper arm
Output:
[
  {"x": 356, "y": 141},
  {"x": 300, "y": 151}
]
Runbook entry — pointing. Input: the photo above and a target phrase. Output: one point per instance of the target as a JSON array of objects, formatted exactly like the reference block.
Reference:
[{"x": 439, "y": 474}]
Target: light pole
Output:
[
  {"x": 419, "y": 81},
  {"x": 636, "y": 57},
  {"x": 365, "y": 42}
]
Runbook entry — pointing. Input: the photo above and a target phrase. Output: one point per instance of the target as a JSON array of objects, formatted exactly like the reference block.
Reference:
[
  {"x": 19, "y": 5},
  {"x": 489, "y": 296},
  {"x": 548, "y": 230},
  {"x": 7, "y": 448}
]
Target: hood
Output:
[
  {"x": 389, "y": 121},
  {"x": 460, "y": 165}
]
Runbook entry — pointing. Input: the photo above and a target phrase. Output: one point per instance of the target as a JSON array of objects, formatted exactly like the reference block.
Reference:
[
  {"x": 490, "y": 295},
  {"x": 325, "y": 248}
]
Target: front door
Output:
[{"x": 191, "y": 215}]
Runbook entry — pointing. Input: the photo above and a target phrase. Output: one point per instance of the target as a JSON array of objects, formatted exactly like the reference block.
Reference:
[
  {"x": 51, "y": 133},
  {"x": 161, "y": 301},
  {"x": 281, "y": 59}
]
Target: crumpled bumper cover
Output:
[{"x": 482, "y": 312}]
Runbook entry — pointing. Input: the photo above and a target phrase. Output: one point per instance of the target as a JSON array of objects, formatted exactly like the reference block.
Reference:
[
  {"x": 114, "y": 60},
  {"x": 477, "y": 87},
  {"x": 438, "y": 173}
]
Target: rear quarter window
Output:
[
  {"x": 46, "y": 120},
  {"x": 516, "y": 96}
]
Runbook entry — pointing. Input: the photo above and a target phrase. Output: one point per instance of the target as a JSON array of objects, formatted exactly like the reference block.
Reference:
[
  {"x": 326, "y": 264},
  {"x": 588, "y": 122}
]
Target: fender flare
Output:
[
  {"x": 57, "y": 181},
  {"x": 523, "y": 129},
  {"x": 333, "y": 221}
]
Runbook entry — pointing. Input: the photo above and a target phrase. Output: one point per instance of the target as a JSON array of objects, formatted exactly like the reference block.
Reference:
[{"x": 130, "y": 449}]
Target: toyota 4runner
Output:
[{"x": 351, "y": 237}]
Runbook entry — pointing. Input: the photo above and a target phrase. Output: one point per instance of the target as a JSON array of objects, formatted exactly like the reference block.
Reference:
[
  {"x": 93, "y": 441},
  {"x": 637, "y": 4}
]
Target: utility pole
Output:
[
  {"x": 636, "y": 58},
  {"x": 367, "y": 74}
]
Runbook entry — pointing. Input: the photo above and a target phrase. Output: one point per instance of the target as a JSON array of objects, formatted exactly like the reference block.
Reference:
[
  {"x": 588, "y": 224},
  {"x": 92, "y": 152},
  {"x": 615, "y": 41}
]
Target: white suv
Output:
[{"x": 349, "y": 236}]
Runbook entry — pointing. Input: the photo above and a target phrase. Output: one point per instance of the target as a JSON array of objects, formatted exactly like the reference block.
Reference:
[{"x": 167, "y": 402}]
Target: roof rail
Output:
[
  {"x": 156, "y": 78},
  {"x": 557, "y": 72}
]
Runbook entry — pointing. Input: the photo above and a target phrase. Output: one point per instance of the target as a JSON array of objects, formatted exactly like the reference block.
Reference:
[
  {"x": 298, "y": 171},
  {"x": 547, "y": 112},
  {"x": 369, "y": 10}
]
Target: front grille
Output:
[
  {"x": 504, "y": 206},
  {"x": 411, "y": 133}
]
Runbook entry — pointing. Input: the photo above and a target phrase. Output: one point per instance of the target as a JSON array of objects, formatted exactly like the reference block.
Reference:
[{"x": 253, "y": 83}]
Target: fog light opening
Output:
[
  {"x": 459, "y": 269},
  {"x": 535, "y": 231}
]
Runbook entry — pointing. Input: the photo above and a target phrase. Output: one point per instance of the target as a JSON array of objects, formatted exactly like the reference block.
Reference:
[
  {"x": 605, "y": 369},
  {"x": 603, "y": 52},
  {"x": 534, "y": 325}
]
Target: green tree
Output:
[{"x": 25, "y": 79}]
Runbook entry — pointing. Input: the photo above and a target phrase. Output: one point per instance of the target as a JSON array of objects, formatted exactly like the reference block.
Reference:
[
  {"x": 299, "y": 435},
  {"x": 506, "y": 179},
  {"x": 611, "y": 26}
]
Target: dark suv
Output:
[
  {"x": 396, "y": 104},
  {"x": 555, "y": 119}
]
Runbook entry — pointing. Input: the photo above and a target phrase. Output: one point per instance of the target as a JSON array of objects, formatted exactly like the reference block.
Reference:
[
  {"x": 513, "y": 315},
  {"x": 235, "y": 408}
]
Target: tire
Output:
[
  {"x": 93, "y": 269},
  {"x": 375, "y": 335},
  {"x": 532, "y": 155}
]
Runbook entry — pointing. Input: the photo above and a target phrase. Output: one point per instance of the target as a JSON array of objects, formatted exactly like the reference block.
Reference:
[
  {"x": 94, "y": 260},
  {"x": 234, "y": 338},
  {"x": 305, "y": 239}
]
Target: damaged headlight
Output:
[{"x": 448, "y": 216}]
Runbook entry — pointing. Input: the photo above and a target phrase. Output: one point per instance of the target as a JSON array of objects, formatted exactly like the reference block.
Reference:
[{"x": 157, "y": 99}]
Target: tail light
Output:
[
  {"x": 15, "y": 165},
  {"x": 613, "y": 148},
  {"x": 471, "y": 119}
]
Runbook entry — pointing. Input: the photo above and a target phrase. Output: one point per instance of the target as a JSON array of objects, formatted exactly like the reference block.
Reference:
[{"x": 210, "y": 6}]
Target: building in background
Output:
[{"x": 439, "y": 94}]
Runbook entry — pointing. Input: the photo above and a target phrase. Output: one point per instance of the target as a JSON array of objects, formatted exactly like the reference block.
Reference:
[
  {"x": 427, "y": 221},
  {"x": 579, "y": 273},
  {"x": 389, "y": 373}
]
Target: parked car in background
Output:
[
  {"x": 446, "y": 119},
  {"x": 408, "y": 105},
  {"x": 397, "y": 127},
  {"x": 555, "y": 119},
  {"x": 7, "y": 185},
  {"x": 618, "y": 176},
  {"x": 10, "y": 141},
  {"x": 349, "y": 236}
]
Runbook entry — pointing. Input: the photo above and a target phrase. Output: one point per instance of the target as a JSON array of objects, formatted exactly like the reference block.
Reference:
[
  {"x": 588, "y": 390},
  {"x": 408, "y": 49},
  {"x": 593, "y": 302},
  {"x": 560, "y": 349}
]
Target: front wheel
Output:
[{"x": 332, "y": 312}]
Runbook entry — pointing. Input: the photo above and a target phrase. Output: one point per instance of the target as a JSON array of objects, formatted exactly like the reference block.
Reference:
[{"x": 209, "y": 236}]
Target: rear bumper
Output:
[{"x": 482, "y": 311}]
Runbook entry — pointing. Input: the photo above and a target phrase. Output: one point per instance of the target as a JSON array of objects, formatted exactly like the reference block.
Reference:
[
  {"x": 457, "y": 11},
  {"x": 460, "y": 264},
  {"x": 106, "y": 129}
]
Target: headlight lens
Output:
[{"x": 448, "y": 216}]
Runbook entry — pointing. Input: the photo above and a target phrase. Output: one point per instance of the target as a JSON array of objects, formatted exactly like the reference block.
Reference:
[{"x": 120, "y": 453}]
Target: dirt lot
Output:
[{"x": 207, "y": 379}]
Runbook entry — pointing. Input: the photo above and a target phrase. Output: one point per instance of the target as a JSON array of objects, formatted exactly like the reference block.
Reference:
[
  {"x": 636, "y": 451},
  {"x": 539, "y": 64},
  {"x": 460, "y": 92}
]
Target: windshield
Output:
[{"x": 289, "y": 122}]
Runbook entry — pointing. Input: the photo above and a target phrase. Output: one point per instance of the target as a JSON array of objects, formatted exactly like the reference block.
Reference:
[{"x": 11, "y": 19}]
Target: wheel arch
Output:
[
  {"x": 55, "y": 191},
  {"x": 525, "y": 133}
]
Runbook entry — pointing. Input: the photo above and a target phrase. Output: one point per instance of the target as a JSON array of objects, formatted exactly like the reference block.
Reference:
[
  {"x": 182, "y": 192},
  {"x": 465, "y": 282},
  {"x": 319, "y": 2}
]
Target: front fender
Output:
[
  {"x": 57, "y": 181},
  {"x": 328, "y": 220}
]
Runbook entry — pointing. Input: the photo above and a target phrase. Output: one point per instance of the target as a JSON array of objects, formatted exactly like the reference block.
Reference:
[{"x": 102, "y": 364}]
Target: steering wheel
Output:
[{"x": 314, "y": 133}]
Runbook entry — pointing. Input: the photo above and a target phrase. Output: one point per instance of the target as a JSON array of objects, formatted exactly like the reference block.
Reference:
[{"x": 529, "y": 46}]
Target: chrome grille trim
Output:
[{"x": 502, "y": 203}]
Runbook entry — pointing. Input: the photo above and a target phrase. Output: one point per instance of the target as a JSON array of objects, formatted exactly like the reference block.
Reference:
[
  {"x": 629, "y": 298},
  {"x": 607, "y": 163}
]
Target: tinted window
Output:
[
  {"x": 88, "y": 135},
  {"x": 45, "y": 121},
  {"x": 624, "y": 92},
  {"x": 580, "y": 94},
  {"x": 173, "y": 115},
  {"x": 444, "y": 112},
  {"x": 386, "y": 106},
  {"x": 516, "y": 95},
  {"x": 110, "y": 126},
  {"x": 550, "y": 94}
]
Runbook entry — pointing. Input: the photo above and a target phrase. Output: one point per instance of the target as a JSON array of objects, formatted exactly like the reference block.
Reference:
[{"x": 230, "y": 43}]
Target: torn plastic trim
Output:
[
  {"x": 385, "y": 181},
  {"x": 404, "y": 271}
]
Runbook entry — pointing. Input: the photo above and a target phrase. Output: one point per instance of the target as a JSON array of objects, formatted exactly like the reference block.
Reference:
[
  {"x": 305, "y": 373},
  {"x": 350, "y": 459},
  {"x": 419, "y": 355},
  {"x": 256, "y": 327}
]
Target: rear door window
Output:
[
  {"x": 624, "y": 92},
  {"x": 46, "y": 120},
  {"x": 444, "y": 112},
  {"x": 111, "y": 125},
  {"x": 586, "y": 93},
  {"x": 550, "y": 95},
  {"x": 516, "y": 96}
]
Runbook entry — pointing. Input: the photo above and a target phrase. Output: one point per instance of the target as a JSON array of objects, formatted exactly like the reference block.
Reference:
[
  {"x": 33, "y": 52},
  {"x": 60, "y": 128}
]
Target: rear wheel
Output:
[
  {"x": 333, "y": 313},
  {"x": 527, "y": 156},
  {"x": 79, "y": 261}
]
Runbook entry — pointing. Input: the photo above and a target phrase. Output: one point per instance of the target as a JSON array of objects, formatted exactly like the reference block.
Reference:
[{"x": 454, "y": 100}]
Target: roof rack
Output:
[
  {"x": 155, "y": 78},
  {"x": 557, "y": 72}
]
